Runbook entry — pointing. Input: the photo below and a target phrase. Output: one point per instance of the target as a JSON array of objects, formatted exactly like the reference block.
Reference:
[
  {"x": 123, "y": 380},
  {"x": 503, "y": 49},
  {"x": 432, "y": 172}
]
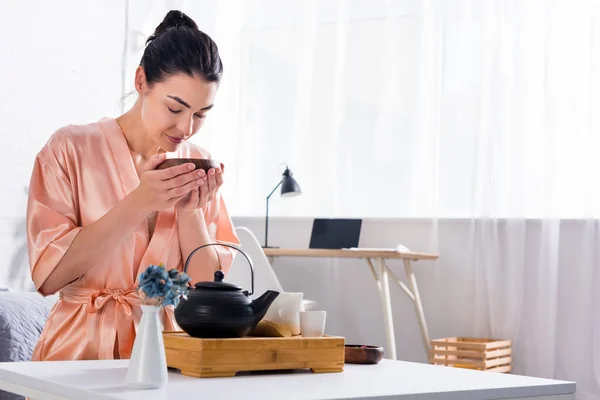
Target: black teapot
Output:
[{"x": 219, "y": 309}]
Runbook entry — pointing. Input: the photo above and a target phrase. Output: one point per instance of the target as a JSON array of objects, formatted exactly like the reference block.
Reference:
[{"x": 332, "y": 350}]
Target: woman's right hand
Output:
[{"x": 161, "y": 189}]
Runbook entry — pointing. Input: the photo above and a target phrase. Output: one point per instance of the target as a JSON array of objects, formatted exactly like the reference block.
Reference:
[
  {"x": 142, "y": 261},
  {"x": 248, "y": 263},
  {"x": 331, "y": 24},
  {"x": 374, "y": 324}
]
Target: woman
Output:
[{"x": 99, "y": 211}]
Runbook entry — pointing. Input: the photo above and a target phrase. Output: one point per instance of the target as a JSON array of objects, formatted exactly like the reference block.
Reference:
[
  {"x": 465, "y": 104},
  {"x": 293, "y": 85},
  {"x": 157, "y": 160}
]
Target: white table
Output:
[
  {"x": 104, "y": 380},
  {"x": 376, "y": 260}
]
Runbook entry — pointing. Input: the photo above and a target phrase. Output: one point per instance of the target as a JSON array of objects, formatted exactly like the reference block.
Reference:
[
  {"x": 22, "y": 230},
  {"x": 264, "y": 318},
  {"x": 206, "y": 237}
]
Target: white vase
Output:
[{"x": 148, "y": 363}]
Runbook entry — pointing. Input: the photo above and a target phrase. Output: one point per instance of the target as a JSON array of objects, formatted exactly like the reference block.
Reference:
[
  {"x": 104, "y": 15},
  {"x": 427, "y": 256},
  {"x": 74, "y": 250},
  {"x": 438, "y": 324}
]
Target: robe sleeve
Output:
[
  {"x": 219, "y": 222},
  {"x": 51, "y": 216}
]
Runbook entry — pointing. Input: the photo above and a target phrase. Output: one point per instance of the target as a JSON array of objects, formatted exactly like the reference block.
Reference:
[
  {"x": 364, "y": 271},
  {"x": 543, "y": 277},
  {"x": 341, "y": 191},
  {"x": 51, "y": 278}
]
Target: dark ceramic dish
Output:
[
  {"x": 363, "y": 354},
  {"x": 200, "y": 163}
]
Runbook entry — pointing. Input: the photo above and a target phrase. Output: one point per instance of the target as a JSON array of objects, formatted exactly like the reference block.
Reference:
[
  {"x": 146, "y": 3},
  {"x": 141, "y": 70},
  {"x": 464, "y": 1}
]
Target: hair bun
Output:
[{"x": 173, "y": 19}]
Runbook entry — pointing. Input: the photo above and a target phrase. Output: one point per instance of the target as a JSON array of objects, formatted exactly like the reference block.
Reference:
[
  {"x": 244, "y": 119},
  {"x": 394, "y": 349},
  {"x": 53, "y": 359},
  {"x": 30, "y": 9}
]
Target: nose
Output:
[{"x": 185, "y": 126}]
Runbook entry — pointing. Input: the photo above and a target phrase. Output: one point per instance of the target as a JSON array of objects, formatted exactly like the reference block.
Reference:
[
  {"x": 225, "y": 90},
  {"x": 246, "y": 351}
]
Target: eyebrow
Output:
[{"x": 183, "y": 103}]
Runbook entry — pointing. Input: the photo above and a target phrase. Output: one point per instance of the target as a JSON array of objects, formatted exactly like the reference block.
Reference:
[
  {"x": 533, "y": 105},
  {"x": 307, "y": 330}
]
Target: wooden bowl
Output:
[
  {"x": 200, "y": 163},
  {"x": 363, "y": 354}
]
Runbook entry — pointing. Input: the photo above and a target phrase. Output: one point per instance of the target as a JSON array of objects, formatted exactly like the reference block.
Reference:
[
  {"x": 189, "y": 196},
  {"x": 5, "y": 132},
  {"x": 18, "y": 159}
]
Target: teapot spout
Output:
[{"x": 261, "y": 305}]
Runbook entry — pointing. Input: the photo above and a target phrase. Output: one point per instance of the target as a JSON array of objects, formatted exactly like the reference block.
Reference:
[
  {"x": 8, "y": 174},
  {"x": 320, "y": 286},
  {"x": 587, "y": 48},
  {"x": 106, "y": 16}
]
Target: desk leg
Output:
[
  {"x": 386, "y": 302},
  {"x": 412, "y": 282}
]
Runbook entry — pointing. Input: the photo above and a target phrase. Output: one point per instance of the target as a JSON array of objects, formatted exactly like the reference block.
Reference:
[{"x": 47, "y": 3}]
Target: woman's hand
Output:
[
  {"x": 205, "y": 193},
  {"x": 162, "y": 189}
]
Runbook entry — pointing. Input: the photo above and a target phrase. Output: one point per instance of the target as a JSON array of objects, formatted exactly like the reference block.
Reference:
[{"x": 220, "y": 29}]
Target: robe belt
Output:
[{"x": 113, "y": 319}]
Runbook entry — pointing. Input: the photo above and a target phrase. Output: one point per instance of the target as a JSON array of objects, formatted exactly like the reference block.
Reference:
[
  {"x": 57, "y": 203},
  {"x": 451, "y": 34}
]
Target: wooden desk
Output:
[{"x": 376, "y": 260}]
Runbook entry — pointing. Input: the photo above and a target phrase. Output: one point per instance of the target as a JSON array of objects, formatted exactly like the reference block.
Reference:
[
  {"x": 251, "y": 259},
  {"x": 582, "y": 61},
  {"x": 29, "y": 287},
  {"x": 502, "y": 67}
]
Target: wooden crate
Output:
[
  {"x": 481, "y": 354},
  {"x": 226, "y": 357}
]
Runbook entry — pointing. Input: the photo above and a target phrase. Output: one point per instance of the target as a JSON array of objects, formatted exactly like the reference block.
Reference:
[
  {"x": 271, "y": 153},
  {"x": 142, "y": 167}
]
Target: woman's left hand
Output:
[{"x": 205, "y": 193}]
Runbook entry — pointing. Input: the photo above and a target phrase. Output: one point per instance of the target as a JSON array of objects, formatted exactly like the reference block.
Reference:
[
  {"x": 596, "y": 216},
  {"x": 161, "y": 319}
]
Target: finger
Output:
[
  {"x": 155, "y": 161},
  {"x": 195, "y": 197},
  {"x": 172, "y": 172},
  {"x": 212, "y": 179},
  {"x": 203, "y": 195},
  {"x": 181, "y": 190},
  {"x": 183, "y": 180},
  {"x": 219, "y": 178},
  {"x": 212, "y": 185}
]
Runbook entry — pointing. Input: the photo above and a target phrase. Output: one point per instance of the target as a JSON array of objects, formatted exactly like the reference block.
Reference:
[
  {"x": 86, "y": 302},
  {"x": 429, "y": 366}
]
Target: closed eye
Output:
[
  {"x": 200, "y": 116},
  {"x": 174, "y": 111}
]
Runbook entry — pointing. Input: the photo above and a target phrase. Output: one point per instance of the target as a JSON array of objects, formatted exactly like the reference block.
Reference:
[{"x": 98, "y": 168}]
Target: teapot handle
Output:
[{"x": 187, "y": 262}]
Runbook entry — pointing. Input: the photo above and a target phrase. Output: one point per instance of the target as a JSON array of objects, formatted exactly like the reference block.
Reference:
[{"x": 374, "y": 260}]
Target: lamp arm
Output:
[
  {"x": 267, "y": 214},
  {"x": 273, "y": 191}
]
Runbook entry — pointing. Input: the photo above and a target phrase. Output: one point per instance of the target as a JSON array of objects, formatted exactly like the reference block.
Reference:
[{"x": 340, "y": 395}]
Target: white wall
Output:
[{"x": 61, "y": 64}]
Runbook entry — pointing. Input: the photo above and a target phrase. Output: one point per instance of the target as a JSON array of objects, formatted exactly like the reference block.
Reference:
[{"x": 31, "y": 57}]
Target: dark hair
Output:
[{"x": 178, "y": 46}]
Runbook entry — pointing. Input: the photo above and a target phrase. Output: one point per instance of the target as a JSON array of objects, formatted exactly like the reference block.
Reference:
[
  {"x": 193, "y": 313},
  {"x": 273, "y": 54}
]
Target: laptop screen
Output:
[{"x": 335, "y": 233}]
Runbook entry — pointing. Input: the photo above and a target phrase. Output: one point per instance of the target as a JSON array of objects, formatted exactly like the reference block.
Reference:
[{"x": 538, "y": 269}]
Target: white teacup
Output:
[
  {"x": 312, "y": 323},
  {"x": 286, "y": 310}
]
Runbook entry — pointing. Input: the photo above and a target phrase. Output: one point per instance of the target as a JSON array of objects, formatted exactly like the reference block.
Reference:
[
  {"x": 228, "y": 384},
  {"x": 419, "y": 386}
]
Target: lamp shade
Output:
[{"x": 289, "y": 186}]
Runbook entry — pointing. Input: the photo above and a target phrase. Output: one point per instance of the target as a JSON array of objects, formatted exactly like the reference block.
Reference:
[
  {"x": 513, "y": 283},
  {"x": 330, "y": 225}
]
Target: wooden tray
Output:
[{"x": 203, "y": 358}]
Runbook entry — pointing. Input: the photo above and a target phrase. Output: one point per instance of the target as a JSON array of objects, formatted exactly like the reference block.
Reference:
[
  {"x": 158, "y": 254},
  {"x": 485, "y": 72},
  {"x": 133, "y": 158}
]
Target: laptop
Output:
[{"x": 335, "y": 233}]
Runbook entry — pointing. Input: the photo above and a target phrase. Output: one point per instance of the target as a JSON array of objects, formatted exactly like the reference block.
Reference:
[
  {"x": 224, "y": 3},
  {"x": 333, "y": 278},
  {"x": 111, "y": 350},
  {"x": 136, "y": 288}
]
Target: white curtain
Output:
[{"x": 479, "y": 111}]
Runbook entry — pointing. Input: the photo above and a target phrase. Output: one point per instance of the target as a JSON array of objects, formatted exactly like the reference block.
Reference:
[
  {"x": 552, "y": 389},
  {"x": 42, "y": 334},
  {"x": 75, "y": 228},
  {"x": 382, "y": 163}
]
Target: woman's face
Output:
[{"x": 174, "y": 110}]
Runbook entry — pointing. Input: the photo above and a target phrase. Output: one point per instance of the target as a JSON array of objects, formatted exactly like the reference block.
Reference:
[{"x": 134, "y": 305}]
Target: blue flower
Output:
[
  {"x": 166, "y": 286},
  {"x": 171, "y": 299},
  {"x": 182, "y": 280},
  {"x": 180, "y": 284},
  {"x": 155, "y": 282}
]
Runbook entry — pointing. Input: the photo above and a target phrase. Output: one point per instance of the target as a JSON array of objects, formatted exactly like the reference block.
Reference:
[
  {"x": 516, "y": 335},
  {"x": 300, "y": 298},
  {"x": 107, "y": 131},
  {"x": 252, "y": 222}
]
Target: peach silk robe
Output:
[{"x": 78, "y": 176}]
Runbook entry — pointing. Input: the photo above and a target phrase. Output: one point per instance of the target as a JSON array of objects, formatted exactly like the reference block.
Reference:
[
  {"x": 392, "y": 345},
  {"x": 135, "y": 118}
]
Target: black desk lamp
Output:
[{"x": 289, "y": 188}]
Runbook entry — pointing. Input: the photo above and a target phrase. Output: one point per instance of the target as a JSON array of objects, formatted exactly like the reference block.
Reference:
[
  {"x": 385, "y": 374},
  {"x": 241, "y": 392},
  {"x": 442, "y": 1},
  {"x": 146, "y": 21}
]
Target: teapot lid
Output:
[{"x": 217, "y": 284}]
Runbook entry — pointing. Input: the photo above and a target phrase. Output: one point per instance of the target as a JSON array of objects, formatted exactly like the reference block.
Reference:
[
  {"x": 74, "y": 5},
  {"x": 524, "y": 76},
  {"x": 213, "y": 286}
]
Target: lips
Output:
[{"x": 174, "y": 139}]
